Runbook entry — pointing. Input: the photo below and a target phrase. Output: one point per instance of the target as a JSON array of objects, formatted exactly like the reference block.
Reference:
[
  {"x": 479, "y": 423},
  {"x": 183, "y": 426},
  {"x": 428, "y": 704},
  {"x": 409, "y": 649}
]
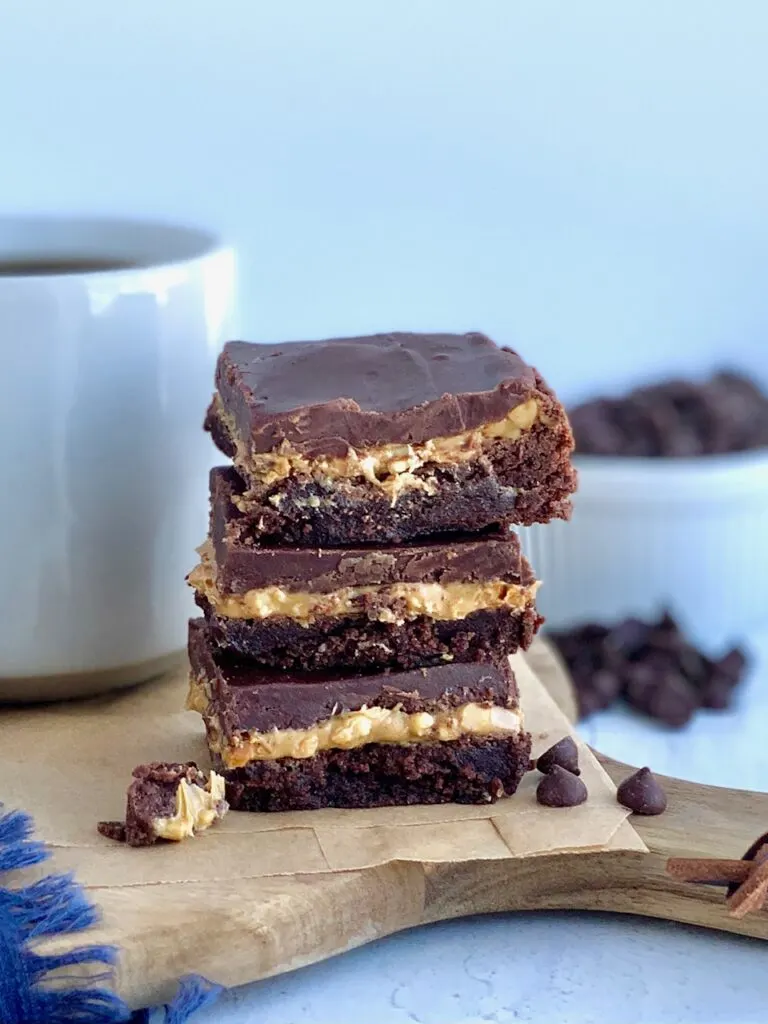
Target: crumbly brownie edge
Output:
[
  {"x": 468, "y": 771},
  {"x": 152, "y": 794},
  {"x": 328, "y": 643},
  {"x": 355, "y": 515},
  {"x": 525, "y": 482},
  {"x": 243, "y": 564}
]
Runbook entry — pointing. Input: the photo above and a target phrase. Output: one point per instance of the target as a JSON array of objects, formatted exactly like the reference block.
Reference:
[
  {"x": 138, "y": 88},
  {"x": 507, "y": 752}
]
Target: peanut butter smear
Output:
[
  {"x": 391, "y": 467},
  {"x": 196, "y": 810},
  {"x": 409, "y": 600},
  {"x": 352, "y": 729}
]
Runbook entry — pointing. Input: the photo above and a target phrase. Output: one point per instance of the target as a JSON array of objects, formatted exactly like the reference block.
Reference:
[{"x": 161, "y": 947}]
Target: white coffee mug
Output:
[{"x": 109, "y": 332}]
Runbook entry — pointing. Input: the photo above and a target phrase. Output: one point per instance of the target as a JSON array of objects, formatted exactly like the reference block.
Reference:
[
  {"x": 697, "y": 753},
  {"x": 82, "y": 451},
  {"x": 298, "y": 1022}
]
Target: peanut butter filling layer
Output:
[
  {"x": 196, "y": 810},
  {"x": 352, "y": 729},
  {"x": 400, "y": 602},
  {"x": 391, "y": 467}
]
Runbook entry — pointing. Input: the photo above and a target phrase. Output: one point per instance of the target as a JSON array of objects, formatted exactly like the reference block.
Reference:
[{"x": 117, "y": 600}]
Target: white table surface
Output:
[
  {"x": 588, "y": 179},
  {"x": 556, "y": 968}
]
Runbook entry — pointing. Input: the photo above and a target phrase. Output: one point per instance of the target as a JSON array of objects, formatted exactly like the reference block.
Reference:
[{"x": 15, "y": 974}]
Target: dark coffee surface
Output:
[
  {"x": 60, "y": 265},
  {"x": 245, "y": 566},
  {"x": 324, "y": 396},
  {"x": 246, "y": 696}
]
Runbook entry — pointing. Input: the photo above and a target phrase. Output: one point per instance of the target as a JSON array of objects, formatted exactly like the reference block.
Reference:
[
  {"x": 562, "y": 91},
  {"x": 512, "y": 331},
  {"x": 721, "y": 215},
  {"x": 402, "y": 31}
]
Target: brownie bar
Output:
[
  {"x": 167, "y": 801},
  {"x": 253, "y": 713},
  {"x": 457, "y": 597},
  {"x": 243, "y": 564},
  {"x": 466, "y": 771},
  {"x": 390, "y": 437}
]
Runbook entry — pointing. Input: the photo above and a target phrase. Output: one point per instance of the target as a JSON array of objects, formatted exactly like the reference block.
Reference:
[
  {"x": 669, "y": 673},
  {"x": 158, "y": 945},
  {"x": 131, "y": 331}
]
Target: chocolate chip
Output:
[
  {"x": 628, "y": 636},
  {"x": 727, "y": 413},
  {"x": 667, "y": 624},
  {"x": 692, "y": 664},
  {"x": 717, "y": 694},
  {"x": 596, "y": 690},
  {"x": 559, "y": 788},
  {"x": 642, "y": 794},
  {"x": 667, "y": 697},
  {"x": 651, "y": 665},
  {"x": 564, "y": 753},
  {"x": 731, "y": 665},
  {"x": 588, "y": 703},
  {"x": 112, "y": 830},
  {"x": 607, "y": 685},
  {"x": 593, "y": 633}
]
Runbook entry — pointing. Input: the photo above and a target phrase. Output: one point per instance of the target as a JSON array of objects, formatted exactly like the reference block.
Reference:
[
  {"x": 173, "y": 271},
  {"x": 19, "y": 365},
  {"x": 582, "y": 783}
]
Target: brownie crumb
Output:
[
  {"x": 564, "y": 753},
  {"x": 559, "y": 788},
  {"x": 167, "y": 801},
  {"x": 641, "y": 793},
  {"x": 112, "y": 830},
  {"x": 651, "y": 666}
]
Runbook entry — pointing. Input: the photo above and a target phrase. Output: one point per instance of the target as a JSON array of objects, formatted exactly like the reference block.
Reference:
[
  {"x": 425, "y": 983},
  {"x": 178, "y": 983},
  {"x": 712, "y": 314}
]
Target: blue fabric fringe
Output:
[{"x": 53, "y": 906}]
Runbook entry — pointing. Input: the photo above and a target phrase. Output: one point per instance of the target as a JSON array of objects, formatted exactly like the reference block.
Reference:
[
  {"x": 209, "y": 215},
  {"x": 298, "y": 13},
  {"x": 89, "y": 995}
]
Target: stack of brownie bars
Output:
[{"x": 362, "y": 585}]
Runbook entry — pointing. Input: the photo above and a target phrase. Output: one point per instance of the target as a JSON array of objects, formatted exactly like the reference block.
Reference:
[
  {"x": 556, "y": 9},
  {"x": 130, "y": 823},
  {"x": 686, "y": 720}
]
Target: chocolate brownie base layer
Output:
[
  {"x": 465, "y": 771},
  {"x": 359, "y": 643},
  {"x": 529, "y": 481}
]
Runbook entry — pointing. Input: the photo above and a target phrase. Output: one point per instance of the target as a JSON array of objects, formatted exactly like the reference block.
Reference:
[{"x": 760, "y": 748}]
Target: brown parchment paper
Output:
[{"x": 68, "y": 765}]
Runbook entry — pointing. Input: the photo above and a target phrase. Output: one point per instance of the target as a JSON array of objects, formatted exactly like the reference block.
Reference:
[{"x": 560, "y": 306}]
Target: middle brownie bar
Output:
[{"x": 462, "y": 599}]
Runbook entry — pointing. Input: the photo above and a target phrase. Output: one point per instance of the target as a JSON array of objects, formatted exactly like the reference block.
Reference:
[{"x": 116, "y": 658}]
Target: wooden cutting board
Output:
[{"x": 269, "y": 925}]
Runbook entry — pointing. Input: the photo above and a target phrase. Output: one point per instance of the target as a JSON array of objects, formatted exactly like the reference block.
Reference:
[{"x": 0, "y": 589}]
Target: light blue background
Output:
[{"x": 586, "y": 179}]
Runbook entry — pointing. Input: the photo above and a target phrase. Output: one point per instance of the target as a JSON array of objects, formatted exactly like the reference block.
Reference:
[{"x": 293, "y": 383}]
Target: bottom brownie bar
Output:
[{"x": 470, "y": 770}]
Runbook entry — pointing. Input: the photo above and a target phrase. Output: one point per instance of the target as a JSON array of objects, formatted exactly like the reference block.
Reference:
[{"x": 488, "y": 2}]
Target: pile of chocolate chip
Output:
[
  {"x": 728, "y": 413},
  {"x": 561, "y": 785},
  {"x": 651, "y": 666}
]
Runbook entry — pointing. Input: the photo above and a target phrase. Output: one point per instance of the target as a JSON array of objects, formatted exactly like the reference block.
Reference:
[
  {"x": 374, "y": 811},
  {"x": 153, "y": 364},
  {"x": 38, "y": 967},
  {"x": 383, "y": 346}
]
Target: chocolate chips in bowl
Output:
[
  {"x": 649, "y": 665},
  {"x": 676, "y": 419},
  {"x": 671, "y": 512}
]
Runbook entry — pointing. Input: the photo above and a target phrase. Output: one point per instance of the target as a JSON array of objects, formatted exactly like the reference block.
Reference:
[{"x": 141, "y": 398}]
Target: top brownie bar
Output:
[{"x": 386, "y": 438}]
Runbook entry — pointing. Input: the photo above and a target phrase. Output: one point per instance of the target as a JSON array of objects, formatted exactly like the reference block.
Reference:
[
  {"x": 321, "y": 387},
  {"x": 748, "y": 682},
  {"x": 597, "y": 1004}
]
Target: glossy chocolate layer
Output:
[
  {"x": 403, "y": 388},
  {"x": 245, "y": 696},
  {"x": 242, "y": 565}
]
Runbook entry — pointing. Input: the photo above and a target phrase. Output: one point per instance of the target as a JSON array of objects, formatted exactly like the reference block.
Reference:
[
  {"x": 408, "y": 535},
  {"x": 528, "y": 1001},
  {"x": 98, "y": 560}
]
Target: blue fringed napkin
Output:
[{"x": 30, "y": 993}]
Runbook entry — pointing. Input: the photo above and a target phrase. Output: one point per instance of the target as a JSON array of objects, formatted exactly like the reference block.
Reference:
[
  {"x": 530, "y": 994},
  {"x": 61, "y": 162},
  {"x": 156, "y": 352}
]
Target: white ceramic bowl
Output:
[{"x": 690, "y": 535}]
